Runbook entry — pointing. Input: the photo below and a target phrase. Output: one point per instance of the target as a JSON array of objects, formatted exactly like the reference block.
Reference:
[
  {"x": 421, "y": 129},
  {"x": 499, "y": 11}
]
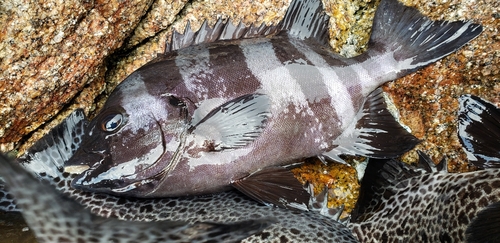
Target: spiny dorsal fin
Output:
[
  {"x": 220, "y": 31},
  {"x": 306, "y": 19},
  {"x": 425, "y": 162},
  {"x": 479, "y": 131},
  {"x": 303, "y": 19}
]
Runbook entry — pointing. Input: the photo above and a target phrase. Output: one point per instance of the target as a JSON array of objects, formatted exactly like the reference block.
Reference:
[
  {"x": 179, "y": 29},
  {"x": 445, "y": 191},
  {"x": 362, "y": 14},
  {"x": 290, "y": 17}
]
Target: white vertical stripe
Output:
[
  {"x": 194, "y": 66},
  {"x": 374, "y": 71},
  {"x": 276, "y": 80},
  {"x": 341, "y": 99}
]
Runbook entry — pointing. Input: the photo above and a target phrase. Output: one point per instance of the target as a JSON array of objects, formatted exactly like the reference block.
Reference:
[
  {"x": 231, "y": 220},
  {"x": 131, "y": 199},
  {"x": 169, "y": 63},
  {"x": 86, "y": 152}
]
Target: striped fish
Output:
[
  {"x": 81, "y": 216},
  {"x": 230, "y": 106}
]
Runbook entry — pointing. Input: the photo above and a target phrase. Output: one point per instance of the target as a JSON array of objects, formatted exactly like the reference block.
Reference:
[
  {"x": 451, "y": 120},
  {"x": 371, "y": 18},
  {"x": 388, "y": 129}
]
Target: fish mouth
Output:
[
  {"x": 156, "y": 178},
  {"x": 136, "y": 177}
]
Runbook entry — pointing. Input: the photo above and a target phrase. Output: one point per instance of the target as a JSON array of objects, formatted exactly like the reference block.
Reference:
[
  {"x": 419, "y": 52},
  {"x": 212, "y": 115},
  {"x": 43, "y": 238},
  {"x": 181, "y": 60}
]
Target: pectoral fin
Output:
[
  {"x": 236, "y": 123},
  {"x": 274, "y": 185}
]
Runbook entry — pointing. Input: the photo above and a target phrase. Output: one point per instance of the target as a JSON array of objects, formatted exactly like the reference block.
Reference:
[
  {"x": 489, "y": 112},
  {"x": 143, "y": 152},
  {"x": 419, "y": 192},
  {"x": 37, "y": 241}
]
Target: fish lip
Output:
[{"x": 124, "y": 184}]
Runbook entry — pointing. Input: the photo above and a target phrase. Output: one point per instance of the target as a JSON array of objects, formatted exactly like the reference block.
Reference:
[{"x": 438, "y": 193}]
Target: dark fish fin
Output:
[
  {"x": 415, "y": 40},
  {"x": 57, "y": 146},
  {"x": 484, "y": 227},
  {"x": 274, "y": 186},
  {"x": 379, "y": 183},
  {"x": 306, "y": 19},
  {"x": 425, "y": 163},
  {"x": 50, "y": 152},
  {"x": 375, "y": 133},
  {"x": 220, "y": 31},
  {"x": 234, "y": 124},
  {"x": 56, "y": 218},
  {"x": 479, "y": 131}
]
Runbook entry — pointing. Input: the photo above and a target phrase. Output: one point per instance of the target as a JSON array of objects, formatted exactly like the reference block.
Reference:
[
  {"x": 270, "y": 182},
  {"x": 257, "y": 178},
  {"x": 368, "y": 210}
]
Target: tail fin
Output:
[
  {"x": 416, "y": 40},
  {"x": 479, "y": 131}
]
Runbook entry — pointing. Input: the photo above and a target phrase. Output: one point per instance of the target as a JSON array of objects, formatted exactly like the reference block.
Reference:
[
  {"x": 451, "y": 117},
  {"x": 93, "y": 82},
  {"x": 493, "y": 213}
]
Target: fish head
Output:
[{"x": 132, "y": 140}]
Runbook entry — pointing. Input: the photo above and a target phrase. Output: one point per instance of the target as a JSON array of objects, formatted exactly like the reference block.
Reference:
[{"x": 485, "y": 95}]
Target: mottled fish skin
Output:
[
  {"x": 424, "y": 207},
  {"x": 402, "y": 203},
  {"x": 45, "y": 160},
  {"x": 199, "y": 118},
  {"x": 57, "y": 218}
]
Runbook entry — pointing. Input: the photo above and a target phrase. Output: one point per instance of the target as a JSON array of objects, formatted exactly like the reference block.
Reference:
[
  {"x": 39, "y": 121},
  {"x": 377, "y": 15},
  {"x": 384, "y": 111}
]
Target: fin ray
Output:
[
  {"x": 416, "y": 40},
  {"x": 375, "y": 133},
  {"x": 276, "y": 186},
  {"x": 236, "y": 123},
  {"x": 479, "y": 131}
]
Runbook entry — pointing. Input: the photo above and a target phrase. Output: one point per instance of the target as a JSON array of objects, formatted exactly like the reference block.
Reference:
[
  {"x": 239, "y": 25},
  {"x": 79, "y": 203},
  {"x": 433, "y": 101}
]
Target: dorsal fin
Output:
[
  {"x": 425, "y": 162},
  {"x": 220, "y": 31},
  {"x": 306, "y": 19},
  {"x": 303, "y": 19}
]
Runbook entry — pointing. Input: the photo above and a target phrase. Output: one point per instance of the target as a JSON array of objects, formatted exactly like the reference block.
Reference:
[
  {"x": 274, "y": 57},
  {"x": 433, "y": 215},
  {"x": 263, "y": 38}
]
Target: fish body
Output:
[
  {"x": 226, "y": 105},
  {"x": 225, "y": 216},
  {"x": 403, "y": 203}
]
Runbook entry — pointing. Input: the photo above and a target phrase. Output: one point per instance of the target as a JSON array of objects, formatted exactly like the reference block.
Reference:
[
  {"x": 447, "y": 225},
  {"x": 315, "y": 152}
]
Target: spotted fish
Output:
[
  {"x": 402, "y": 203},
  {"x": 232, "y": 215},
  {"x": 229, "y": 106}
]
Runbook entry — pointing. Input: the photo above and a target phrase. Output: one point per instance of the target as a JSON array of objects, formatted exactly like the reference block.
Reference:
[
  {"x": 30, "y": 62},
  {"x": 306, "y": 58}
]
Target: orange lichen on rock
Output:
[{"x": 340, "y": 179}]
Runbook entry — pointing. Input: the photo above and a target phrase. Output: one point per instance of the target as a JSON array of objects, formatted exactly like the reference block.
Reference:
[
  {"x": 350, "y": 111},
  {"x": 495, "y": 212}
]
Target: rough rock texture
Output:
[{"x": 52, "y": 52}]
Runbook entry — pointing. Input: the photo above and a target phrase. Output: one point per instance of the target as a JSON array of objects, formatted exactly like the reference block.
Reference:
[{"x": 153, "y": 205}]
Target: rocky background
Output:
[{"x": 56, "y": 56}]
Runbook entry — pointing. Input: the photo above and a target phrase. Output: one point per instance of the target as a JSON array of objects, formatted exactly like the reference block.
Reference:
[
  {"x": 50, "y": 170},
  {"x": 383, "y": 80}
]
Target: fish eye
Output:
[
  {"x": 176, "y": 101},
  {"x": 111, "y": 122}
]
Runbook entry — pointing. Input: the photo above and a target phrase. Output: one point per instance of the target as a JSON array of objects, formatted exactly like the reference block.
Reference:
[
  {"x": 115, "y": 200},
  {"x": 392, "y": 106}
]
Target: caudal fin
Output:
[
  {"x": 479, "y": 131},
  {"x": 415, "y": 40}
]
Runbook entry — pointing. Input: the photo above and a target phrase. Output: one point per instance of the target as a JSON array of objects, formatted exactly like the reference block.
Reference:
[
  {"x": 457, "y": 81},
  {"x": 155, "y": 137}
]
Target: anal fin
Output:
[
  {"x": 274, "y": 185},
  {"x": 375, "y": 133}
]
